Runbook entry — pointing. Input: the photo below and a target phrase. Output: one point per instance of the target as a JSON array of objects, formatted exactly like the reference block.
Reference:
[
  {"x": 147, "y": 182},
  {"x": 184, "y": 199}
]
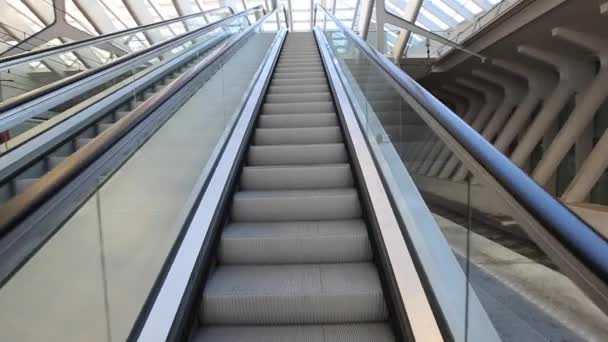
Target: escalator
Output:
[
  {"x": 295, "y": 260},
  {"x": 258, "y": 190}
]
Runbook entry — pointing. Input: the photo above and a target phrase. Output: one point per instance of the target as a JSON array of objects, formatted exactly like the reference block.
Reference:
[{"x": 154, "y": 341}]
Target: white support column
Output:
[
  {"x": 365, "y": 19},
  {"x": 312, "y": 14},
  {"x": 95, "y": 14},
  {"x": 142, "y": 16},
  {"x": 410, "y": 14},
  {"x": 40, "y": 10},
  {"x": 184, "y": 7},
  {"x": 357, "y": 10},
  {"x": 540, "y": 84},
  {"x": 583, "y": 113},
  {"x": 513, "y": 93},
  {"x": 274, "y": 5},
  {"x": 590, "y": 172},
  {"x": 574, "y": 75},
  {"x": 380, "y": 20},
  {"x": 290, "y": 14},
  {"x": 420, "y": 157},
  {"x": 583, "y": 146},
  {"x": 476, "y": 102},
  {"x": 492, "y": 98}
]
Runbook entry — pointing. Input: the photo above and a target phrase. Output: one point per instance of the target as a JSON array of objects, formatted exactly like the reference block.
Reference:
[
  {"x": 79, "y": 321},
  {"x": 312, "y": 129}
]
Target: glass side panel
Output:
[
  {"x": 22, "y": 128},
  {"x": 90, "y": 280},
  {"x": 491, "y": 278}
]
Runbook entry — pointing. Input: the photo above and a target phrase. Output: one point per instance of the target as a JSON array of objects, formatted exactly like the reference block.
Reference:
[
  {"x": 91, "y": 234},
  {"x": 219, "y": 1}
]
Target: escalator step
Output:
[
  {"x": 121, "y": 114},
  {"x": 296, "y": 205},
  {"x": 293, "y": 294},
  {"x": 298, "y": 81},
  {"x": 298, "y": 120},
  {"x": 297, "y": 154},
  {"x": 80, "y": 142},
  {"x": 103, "y": 126},
  {"x": 22, "y": 184},
  {"x": 310, "y": 68},
  {"x": 296, "y": 242},
  {"x": 298, "y": 107},
  {"x": 55, "y": 160},
  {"x": 280, "y": 75},
  {"x": 303, "y": 135},
  {"x": 362, "y": 332},
  {"x": 299, "y": 97},
  {"x": 298, "y": 89},
  {"x": 296, "y": 177}
]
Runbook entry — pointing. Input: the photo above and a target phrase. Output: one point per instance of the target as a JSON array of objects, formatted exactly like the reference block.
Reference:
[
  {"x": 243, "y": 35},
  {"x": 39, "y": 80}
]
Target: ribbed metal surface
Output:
[
  {"x": 277, "y": 177},
  {"x": 295, "y": 262},
  {"x": 293, "y": 294},
  {"x": 295, "y": 242},
  {"x": 367, "y": 332},
  {"x": 298, "y": 120},
  {"x": 297, "y": 154},
  {"x": 300, "y": 135}
]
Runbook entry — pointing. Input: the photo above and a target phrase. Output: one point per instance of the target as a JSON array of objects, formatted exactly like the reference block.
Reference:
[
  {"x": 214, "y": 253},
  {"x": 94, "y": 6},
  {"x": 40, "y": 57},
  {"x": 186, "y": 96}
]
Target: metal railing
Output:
[
  {"x": 580, "y": 251},
  {"x": 19, "y": 206},
  {"x": 33, "y": 102},
  {"x": 7, "y": 62}
]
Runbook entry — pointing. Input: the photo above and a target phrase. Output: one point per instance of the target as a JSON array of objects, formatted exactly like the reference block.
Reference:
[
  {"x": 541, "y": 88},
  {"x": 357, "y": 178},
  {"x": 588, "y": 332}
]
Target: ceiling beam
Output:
[{"x": 410, "y": 14}]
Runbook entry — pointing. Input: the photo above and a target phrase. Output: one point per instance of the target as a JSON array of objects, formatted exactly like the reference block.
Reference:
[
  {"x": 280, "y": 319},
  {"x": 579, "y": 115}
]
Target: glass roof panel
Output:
[{"x": 450, "y": 18}]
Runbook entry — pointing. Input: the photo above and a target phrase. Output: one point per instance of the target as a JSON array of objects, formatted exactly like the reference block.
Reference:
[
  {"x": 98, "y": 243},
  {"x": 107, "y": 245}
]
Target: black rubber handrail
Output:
[
  {"x": 571, "y": 231},
  {"x": 19, "y": 206},
  {"x": 22, "y": 99},
  {"x": 29, "y": 56}
]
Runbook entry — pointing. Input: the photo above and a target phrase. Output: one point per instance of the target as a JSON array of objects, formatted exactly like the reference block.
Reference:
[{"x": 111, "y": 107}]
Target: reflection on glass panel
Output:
[{"x": 506, "y": 278}]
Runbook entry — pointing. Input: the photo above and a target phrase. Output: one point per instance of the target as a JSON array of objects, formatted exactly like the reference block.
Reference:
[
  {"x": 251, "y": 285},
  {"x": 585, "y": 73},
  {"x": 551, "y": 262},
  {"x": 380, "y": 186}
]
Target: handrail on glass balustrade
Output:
[
  {"x": 29, "y": 56},
  {"x": 13, "y": 103},
  {"x": 17, "y": 208},
  {"x": 576, "y": 247}
]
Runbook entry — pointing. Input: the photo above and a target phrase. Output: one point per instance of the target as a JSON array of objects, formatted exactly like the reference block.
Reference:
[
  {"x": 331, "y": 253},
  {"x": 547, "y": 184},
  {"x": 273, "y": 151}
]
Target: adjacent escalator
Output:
[{"x": 47, "y": 144}]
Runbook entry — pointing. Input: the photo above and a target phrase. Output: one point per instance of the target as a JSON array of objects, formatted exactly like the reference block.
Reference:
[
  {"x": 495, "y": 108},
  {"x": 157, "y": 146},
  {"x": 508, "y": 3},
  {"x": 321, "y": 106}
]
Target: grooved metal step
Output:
[
  {"x": 297, "y": 154},
  {"x": 299, "y": 97},
  {"x": 293, "y": 294},
  {"x": 296, "y": 205},
  {"x": 302, "y": 135},
  {"x": 298, "y": 89},
  {"x": 299, "y": 81},
  {"x": 298, "y": 120},
  {"x": 296, "y": 177},
  {"x": 298, "y": 107},
  {"x": 296, "y": 242},
  {"x": 361, "y": 332}
]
